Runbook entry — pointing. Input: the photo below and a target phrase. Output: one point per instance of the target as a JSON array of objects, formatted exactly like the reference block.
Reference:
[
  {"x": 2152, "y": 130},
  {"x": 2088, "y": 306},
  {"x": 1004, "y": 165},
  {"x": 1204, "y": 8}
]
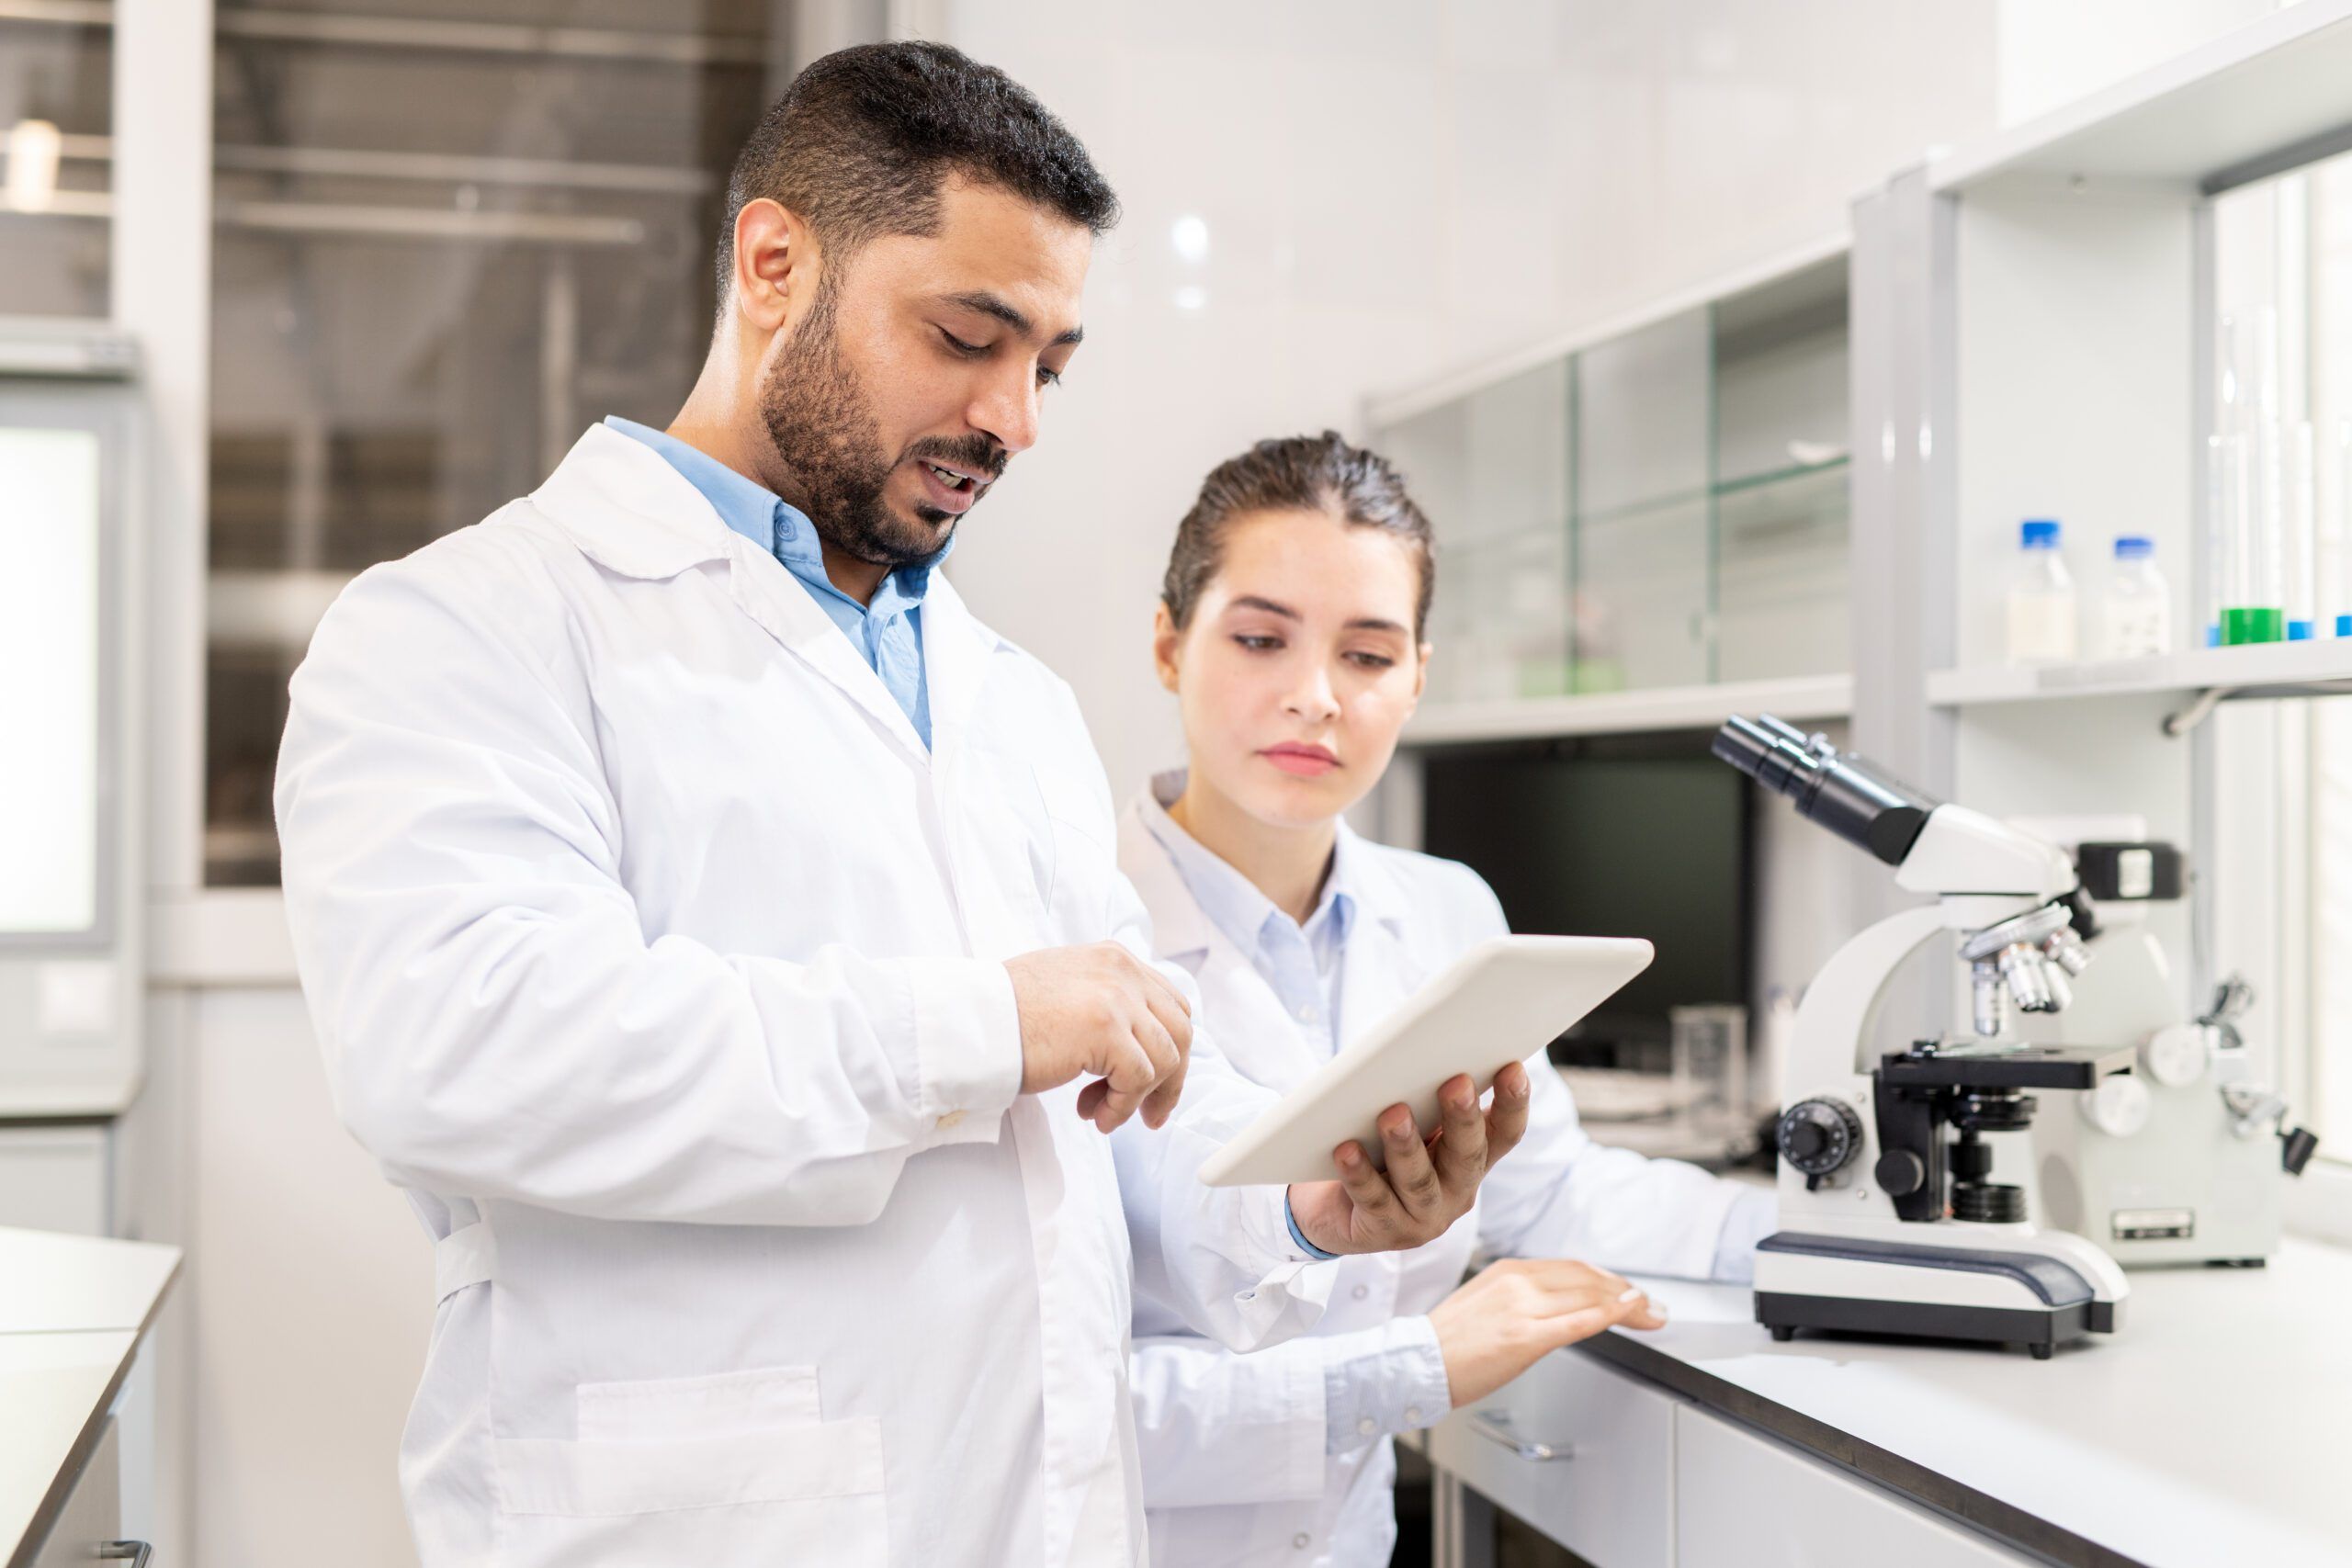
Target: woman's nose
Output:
[{"x": 1313, "y": 699}]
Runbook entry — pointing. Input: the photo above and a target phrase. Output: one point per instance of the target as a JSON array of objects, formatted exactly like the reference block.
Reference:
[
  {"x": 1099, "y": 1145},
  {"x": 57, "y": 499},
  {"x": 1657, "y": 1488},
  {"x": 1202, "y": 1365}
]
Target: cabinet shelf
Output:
[
  {"x": 2257, "y": 669},
  {"x": 1747, "y": 484},
  {"x": 1802, "y": 697},
  {"x": 1744, "y": 484}
]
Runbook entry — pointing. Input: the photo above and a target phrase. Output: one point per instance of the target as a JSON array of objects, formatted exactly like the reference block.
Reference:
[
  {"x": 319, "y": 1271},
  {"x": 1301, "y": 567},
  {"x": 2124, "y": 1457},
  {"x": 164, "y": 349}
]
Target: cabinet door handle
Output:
[
  {"x": 136, "y": 1553},
  {"x": 1496, "y": 1428}
]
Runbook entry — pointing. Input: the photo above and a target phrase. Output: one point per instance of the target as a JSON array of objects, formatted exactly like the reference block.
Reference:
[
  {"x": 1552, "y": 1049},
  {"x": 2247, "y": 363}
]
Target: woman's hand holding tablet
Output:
[{"x": 1468, "y": 1029}]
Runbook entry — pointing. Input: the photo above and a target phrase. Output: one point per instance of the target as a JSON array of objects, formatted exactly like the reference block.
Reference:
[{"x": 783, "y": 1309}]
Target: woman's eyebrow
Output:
[
  {"x": 1252, "y": 602},
  {"x": 1361, "y": 624}
]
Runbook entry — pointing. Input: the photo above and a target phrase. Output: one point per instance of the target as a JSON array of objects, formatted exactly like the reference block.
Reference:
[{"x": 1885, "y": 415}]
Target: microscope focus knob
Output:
[
  {"x": 1901, "y": 1173},
  {"x": 1819, "y": 1136}
]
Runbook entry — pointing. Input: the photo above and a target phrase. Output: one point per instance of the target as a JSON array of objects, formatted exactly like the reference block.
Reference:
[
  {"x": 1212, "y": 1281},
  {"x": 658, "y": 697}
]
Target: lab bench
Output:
[
  {"x": 73, "y": 1310},
  {"x": 2211, "y": 1430}
]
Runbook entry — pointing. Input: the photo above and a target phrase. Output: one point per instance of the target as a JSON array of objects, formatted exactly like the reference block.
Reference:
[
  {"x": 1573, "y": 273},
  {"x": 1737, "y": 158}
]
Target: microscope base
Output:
[
  {"x": 1957, "y": 1286},
  {"x": 2040, "y": 1329}
]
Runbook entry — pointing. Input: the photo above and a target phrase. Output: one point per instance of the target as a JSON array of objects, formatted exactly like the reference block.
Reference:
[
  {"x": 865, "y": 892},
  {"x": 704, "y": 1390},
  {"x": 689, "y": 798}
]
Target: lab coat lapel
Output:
[
  {"x": 1240, "y": 1009},
  {"x": 956, "y": 652},
  {"x": 633, "y": 513},
  {"x": 1380, "y": 970},
  {"x": 765, "y": 591}
]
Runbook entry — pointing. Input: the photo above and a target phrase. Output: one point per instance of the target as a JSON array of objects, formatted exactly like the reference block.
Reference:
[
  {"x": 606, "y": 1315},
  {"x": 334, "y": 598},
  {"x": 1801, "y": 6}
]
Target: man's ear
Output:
[
  {"x": 1165, "y": 642},
  {"x": 776, "y": 264},
  {"x": 1422, "y": 669}
]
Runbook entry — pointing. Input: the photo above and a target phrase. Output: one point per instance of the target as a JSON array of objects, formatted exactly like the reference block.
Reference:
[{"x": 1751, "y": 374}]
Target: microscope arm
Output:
[{"x": 1828, "y": 1043}]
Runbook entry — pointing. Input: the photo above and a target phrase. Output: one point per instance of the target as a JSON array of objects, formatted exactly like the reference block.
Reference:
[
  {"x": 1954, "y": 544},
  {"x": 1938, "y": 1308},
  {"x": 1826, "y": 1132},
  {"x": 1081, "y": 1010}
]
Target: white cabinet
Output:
[
  {"x": 1743, "y": 1501},
  {"x": 1627, "y": 1475},
  {"x": 89, "y": 1527},
  {"x": 1582, "y": 1452},
  {"x": 54, "y": 1179}
]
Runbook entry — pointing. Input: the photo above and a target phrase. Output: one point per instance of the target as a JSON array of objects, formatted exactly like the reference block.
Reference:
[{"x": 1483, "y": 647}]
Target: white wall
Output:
[
  {"x": 2053, "y": 52},
  {"x": 1390, "y": 188}
]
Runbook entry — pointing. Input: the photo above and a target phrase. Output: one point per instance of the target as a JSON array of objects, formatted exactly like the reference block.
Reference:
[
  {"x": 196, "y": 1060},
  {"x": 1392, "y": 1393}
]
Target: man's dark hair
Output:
[{"x": 861, "y": 142}]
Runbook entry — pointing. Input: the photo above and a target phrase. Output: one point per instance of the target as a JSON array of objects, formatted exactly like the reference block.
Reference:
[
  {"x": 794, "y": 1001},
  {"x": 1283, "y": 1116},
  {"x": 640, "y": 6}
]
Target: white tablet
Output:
[{"x": 1502, "y": 1002}]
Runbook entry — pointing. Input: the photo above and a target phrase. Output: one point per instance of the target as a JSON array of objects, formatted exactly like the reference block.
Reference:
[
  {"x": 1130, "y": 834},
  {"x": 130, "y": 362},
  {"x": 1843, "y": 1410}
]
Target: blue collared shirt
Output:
[
  {"x": 1301, "y": 963},
  {"x": 889, "y": 632}
]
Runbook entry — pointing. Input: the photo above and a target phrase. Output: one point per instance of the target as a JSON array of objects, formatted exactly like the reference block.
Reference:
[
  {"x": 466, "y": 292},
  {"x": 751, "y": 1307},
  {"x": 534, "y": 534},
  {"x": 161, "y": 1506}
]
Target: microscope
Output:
[
  {"x": 1890, "y": 1224},
  {"x": 2183, "y": 1160}
]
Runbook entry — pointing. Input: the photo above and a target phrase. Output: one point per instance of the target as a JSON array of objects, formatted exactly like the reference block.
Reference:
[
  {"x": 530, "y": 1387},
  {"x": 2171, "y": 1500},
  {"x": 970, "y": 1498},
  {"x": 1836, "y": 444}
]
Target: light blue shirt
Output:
[
  {"x": 1303, "y": 963},
  {"x": 889, "y": 632}
]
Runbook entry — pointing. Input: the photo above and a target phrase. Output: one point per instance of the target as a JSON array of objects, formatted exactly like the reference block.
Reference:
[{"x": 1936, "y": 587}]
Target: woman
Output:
[{"x": 1291, "y": 629}]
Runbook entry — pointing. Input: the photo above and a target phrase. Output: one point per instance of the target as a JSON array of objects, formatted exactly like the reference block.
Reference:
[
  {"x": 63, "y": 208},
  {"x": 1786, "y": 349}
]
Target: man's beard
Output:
[{"x": 823, "y": 426}]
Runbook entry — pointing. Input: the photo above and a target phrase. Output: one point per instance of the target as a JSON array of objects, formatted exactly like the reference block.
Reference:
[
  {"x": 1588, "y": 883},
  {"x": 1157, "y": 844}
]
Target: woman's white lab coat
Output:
[
  {"x": 657, "y": 959},
  {"x": 1236, "y": 1467}
]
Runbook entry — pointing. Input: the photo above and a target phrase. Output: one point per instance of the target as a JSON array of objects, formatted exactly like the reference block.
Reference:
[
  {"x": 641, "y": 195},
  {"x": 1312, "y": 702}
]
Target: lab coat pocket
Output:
[{"x": 737, "y": 1467}]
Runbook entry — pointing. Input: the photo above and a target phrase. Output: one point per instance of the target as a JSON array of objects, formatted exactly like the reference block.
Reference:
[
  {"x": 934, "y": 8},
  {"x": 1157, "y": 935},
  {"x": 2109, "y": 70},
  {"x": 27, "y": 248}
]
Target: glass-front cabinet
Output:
[
  {"x": 56, "y": 121},
  {"x": 443, "y": 249},
  {"x": 1659, "y": 509}
]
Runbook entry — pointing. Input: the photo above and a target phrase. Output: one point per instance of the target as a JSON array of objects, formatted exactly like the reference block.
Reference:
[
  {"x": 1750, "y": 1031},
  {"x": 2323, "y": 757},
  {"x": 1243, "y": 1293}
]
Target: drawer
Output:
[
  {"x": 1607, "y": 1493},
  {"x": 1744, "y": 1501}
]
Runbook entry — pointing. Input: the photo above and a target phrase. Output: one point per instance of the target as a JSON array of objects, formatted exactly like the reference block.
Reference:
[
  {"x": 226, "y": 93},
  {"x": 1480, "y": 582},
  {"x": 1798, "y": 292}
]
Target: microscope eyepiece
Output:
[{"x": 1846, "y": 794}]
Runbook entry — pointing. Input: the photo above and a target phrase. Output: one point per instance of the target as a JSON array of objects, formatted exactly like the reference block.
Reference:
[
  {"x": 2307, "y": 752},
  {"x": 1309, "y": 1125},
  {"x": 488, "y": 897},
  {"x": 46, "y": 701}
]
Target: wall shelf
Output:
[
  {"x": 1807, "y": 698},
  {"x": 2277, "y": 668},
  {"x": 2252, "y": 102}
]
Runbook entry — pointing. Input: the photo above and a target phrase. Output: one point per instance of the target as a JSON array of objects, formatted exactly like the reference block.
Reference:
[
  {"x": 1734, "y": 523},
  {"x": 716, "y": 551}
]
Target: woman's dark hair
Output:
[
  {"x": 1295, "y": 473},
  {"x": 860, "y": 143}
]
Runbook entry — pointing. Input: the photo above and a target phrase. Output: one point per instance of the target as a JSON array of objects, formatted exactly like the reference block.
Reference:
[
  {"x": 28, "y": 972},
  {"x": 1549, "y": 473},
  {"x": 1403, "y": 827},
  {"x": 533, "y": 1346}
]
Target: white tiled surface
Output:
[{"x": 1390, "y": 189}]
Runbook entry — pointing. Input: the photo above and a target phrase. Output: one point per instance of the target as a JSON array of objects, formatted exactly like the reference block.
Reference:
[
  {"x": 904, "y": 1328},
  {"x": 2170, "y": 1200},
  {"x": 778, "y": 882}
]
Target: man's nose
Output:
[{"x": 1007, "y": 409}]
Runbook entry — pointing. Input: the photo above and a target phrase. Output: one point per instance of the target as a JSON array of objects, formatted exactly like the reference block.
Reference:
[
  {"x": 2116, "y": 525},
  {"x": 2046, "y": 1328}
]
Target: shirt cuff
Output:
[
  {"x": 1382, "y": 1382},
  {"x": 1290, "y": 1289},
  {"x": 967, "y": 1048},
  {"x": 1755, "y": 1214},
  {"x": 1290, "y": 1216}
]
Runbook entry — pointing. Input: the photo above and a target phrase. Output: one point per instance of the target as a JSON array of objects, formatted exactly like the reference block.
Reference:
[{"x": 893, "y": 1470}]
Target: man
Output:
[{"x": 716, "y": 929}]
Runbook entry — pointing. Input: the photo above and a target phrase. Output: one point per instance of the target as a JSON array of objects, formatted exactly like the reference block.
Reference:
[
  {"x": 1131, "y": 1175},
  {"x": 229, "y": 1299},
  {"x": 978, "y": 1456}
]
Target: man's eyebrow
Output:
[{"x": 988, "y": 304}]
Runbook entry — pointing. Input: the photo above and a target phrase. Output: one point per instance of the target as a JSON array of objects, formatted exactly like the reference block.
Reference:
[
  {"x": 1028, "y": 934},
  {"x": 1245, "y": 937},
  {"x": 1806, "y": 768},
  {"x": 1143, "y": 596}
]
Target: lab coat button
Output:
[
  {"x": 1412, "y": 1414},
  {"x": 1306, "y": 1015},
  {"x": 950, "y": 1120},
  {"x": 1367, "y": 1427},
  {"x": 1302, "y": 1540},
  {"x": 1362, "y": 1291}
]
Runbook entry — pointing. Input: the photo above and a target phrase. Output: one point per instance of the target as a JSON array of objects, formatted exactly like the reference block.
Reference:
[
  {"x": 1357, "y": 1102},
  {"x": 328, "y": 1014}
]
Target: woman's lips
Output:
[{"x": 1305, "y": 762}]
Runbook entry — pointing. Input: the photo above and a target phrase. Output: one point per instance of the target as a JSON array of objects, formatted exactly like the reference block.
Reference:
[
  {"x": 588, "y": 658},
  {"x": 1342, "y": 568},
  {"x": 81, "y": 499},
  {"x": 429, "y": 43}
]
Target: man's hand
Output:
[
  {"x": 1502, "y": 1320},
  {"x": 1429, "y": 1183},
  {"x": 1098, "y": 1011}
]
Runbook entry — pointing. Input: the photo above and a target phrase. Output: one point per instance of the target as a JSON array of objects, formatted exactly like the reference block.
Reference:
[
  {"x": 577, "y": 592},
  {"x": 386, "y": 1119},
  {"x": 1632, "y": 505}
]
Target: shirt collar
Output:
[
  {"x": 775, "y": 525},
  {"x": 1233, "y": 903}
]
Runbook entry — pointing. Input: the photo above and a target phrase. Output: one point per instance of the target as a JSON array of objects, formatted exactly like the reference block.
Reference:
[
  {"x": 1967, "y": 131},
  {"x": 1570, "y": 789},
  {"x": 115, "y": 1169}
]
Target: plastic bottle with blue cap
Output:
[
  {"x": 2041, "y": 597},
  {"x": 2135, "y": 610}
]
